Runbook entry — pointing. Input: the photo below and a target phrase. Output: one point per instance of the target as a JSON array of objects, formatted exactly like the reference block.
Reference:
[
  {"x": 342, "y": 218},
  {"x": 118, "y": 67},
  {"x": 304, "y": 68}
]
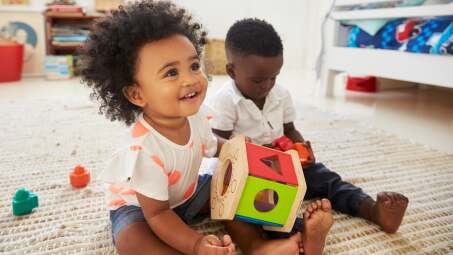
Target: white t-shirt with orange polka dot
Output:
[{"x": 156, "y": 167}]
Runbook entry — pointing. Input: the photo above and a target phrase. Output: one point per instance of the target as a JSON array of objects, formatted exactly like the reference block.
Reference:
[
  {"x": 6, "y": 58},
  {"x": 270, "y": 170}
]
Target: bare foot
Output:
[
  {"x": 286, "y": 246},
  {"x": 388, "y": 211},
  {"x": 318, "y": 220}
]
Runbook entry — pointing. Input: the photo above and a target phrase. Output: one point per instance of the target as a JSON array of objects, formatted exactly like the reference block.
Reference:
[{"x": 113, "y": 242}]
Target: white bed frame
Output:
[{"x": 406, "y": 66}]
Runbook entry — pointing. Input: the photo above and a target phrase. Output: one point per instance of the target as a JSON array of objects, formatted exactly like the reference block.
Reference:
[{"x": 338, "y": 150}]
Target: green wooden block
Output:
[{"x": 279, "y": 214}]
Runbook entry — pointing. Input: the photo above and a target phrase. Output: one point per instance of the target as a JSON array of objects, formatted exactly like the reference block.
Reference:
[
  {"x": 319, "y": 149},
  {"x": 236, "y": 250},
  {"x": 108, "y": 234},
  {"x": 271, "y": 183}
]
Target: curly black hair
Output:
[
  {"x": 253, "y": 36},
  {"x": 110, "y": 55}
]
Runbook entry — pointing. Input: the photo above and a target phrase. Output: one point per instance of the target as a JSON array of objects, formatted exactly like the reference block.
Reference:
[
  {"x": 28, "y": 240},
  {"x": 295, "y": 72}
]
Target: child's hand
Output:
[
  {"x": 228, "y": 243},
  {"x": 211, "y": 244}
]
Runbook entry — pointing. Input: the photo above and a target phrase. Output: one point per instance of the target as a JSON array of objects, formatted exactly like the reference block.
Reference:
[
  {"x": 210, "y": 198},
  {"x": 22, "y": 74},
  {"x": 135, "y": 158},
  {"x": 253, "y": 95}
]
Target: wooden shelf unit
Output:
[{"x": 52, "y": 19}]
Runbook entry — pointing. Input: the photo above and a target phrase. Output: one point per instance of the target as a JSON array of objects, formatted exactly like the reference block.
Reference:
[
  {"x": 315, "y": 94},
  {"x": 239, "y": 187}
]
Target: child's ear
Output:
[
  {"x": 133, "y": 93},
  {"x": 230, "y": 70}
]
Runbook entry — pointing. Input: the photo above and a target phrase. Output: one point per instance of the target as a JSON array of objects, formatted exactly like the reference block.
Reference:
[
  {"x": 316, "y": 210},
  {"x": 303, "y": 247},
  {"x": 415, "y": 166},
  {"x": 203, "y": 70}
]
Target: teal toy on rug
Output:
[{"x": 24, "y": 202}]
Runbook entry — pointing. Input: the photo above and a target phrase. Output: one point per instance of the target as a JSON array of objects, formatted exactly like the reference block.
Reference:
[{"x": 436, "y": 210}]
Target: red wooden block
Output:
[
  {"x": 283, "y": 143},
  {"x": 270, "y": 164}
]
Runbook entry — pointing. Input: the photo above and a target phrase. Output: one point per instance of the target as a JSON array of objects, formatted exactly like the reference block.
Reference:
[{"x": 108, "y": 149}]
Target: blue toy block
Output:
[{"x": 256, "y": 221}]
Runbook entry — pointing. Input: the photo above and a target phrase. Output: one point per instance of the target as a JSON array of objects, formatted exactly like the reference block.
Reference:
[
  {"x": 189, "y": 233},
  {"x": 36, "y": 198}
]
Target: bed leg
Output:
[{"x": 328, "y": 81}]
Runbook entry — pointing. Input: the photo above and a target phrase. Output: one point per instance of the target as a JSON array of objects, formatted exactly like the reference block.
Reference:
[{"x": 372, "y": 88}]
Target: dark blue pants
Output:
[{"x": 321, "y": 182}]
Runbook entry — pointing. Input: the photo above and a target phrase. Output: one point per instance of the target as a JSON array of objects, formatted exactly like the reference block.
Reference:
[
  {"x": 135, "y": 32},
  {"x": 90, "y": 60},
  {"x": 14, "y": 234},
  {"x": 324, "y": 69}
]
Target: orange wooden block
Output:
[
  {"x": 79, "y": 177},
  {"x": 304, "y": 153}
]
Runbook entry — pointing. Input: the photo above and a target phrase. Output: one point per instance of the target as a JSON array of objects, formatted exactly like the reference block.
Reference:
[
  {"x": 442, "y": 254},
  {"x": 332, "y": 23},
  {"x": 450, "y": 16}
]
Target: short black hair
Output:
[
  {"x": 253, "y": 36},
  {"x": 110, "y": 55}
]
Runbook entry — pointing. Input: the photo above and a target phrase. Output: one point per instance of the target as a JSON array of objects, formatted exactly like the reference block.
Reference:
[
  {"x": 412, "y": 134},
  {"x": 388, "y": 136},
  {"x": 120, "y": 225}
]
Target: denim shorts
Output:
[{"x": 189, "y": 212}]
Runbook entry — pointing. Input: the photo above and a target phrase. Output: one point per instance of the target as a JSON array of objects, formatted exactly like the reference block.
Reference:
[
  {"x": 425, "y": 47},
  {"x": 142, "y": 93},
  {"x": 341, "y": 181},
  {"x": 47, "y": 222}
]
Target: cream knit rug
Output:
[{"x": 41, "y": 141}]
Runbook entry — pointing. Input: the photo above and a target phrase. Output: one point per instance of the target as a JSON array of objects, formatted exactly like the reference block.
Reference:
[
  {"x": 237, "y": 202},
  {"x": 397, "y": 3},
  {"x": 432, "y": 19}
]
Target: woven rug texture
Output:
[{"x": 41, "y": 141}]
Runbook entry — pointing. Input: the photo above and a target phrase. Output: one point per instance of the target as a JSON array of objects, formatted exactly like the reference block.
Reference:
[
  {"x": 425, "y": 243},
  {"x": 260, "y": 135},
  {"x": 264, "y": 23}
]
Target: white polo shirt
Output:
[{"x": 233, "y": 112}]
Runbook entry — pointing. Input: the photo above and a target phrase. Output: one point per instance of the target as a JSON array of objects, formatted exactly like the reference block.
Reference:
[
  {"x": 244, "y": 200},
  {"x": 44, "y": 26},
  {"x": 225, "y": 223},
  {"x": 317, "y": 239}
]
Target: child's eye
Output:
[
  {"x": 195, "y": 66},
  {"x": 171, "y": 73}
]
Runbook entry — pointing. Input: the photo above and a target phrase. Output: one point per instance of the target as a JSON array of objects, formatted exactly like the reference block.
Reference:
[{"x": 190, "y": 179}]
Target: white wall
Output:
[
  {"x": 218, "y": 15},
  {"x": 39, "y": 6},
  {"x": 284, "y": 15}
]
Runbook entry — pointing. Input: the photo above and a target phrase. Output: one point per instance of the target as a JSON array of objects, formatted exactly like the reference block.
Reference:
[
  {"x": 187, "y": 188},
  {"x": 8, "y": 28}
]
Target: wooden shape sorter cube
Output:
[{"x": 258, "y": 185}]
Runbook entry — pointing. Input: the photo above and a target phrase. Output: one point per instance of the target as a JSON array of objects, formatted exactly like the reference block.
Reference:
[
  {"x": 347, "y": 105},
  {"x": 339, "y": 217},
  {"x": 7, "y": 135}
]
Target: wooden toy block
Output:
[
  {"x": 282, "y": 170},
  {"x": 229, "y": 181},
  {"x": 244, "y": 172},
  {"x": 255, "y": 221},
  {"x": 301, "y": 190},
  {"x": 280, "y": 211}
]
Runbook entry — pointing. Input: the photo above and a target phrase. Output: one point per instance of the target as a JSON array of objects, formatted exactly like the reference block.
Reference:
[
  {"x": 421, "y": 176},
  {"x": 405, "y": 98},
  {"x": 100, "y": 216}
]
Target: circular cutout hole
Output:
[
  {"x": 265, "y": 200},
  {"x": 227, "y": 176}
]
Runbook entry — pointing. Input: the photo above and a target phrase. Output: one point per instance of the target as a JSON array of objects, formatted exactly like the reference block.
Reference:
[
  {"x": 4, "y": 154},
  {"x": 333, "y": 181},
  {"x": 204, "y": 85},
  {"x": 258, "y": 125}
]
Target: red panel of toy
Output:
[{"x": 270, "y": 164}]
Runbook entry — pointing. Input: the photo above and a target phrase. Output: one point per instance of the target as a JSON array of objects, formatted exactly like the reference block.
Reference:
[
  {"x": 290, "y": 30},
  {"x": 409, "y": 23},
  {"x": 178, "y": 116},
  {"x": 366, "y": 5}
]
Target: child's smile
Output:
[
  {"x": 170, "y": 83},
  {"x": 190, "y": 97}
]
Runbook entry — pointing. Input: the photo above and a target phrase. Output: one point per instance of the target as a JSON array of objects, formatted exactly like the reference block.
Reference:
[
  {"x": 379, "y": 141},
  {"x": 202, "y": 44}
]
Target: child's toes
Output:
[
  {"x": 314, "y": 206},
  {"x": 227, "y": 240},
  {"x": 310, "y": 208},
  {"x": 318, "y": 203},
  {"x": 306, "y": 214},
  {"x": 326, "y": 205}
]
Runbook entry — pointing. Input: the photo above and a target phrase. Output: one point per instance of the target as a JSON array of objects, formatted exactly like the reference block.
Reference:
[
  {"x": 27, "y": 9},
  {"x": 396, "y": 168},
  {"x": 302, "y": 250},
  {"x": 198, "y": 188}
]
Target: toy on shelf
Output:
[
  {"x": 304, "y": 150},
  {"x": 79, "y": 177},
  {"x": 258, "y": 185},
  {"x": 24, "y": 201}
]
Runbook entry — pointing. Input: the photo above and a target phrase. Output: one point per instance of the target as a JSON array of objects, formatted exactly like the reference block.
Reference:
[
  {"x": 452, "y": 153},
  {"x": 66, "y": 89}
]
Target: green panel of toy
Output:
[{"x": 279, "y": 214}]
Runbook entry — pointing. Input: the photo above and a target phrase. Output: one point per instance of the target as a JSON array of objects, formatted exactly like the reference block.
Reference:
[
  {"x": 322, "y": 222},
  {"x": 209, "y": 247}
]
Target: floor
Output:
[{"x": 423, "y": 114}]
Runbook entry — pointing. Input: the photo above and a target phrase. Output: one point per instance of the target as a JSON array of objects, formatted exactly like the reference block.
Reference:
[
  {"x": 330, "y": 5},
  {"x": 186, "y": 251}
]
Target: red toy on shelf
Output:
[
  {"x": 79, "y": 177},
  {"x": 362, "y": 84}
]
